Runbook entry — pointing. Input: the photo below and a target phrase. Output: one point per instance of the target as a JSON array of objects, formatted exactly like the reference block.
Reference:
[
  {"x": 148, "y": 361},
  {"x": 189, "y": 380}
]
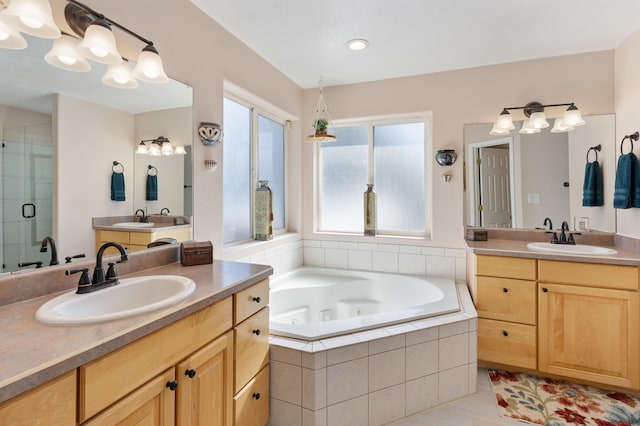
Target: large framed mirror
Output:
[
  {"x": 61, "y": 131},
  {"x": 519, "y": 180}
]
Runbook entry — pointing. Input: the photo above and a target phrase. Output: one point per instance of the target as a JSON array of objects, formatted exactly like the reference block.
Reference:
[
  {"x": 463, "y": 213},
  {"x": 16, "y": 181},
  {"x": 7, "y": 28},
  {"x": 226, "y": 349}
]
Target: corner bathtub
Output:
[{"x": 315, "y": 303}]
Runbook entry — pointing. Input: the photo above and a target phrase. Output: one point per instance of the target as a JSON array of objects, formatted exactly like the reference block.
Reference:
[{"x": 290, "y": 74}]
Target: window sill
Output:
[
  {"x": 248, "y": 248},
  {"x": 378, "y": 239}
]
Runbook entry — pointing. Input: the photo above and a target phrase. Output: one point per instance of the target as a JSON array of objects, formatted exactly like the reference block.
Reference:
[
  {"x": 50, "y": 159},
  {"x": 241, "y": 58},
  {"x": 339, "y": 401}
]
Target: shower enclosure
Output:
[{"x": 26, "y": 193}]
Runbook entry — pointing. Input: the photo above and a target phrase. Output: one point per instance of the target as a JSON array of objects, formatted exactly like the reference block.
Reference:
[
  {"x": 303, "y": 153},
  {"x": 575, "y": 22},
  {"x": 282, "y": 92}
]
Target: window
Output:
[
  {"x": 249, "y": 156},
  {"x": 392, "y": 156}
]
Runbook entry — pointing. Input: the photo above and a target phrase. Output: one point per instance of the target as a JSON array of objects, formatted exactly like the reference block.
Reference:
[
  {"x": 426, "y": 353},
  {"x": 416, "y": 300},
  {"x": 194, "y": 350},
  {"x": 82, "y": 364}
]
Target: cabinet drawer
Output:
[
  {"x": 589, "y": 274},
  {"x": 506, "y": 299},
  {"x": 251, "y": 404},
  {"x": 250, "y": 300},
  {"x": 506, "y": 267},
  {"x": 507, "y": 343},
  {"x": 141, "y": 238},
  {"x": 121, "y": 237},
  {"x": 252, "y": 347},
  {"x": 113, "y": 376}
]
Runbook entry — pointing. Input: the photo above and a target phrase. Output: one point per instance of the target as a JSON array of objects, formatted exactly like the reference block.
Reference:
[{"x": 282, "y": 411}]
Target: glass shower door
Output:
[{"x": 27, "y": 180}]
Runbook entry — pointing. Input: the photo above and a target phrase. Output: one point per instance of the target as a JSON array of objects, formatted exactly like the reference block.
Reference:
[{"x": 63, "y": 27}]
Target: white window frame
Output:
[
  {"x": 425, "y": 117},
  {"x": 255, "y": 112}
]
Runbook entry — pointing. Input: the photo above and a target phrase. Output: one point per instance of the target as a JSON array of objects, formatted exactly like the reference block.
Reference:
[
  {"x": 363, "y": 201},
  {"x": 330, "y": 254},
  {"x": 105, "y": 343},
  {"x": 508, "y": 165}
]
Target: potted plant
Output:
[{"x": 321, "y": 126}]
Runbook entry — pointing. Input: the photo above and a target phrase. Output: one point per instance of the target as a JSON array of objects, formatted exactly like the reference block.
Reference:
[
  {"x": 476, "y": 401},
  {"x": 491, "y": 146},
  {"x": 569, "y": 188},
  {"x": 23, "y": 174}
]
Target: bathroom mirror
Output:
[
  {"x": 517, "y": 180},
  {"x": 38, "y": 122}
]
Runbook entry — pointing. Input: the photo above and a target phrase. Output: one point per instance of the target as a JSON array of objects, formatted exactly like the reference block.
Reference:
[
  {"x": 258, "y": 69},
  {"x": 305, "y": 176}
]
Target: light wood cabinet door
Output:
[
  {"x": 205, "y": 390},
  {"x": 251, "y": 404},
  {"x": 52, "y": 403},
  {"x": 153, "y": 404},
  {"x": 589, "y": 333},
  {"x": 507, "y": 343},
  {"x": 252, "y": 347}
]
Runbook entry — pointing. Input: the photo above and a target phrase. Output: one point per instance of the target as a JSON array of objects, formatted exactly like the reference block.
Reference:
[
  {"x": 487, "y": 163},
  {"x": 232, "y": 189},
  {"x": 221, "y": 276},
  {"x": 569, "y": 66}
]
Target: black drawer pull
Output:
[
  {"x": 257, "y": 299},
  {"x": 190, "y": 372},
  {"x": 256, "y": 395},
  {"x": 173, "y": 385},
  {"x": 544, "y": 289},
  {"x": 505, "y": 333},
  {"x": 256, "y": 331},
  {"x": 505, "y": 290}
]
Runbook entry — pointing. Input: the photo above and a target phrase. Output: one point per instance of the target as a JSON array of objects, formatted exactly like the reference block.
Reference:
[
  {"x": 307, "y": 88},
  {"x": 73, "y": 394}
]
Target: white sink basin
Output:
[
  {"x": 571, "y": 249},
  {"x": 134, "y": 224},
  {"x": 133, "y": 296}
]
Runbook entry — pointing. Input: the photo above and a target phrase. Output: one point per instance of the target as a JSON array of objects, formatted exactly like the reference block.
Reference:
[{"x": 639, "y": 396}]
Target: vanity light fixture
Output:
[
  {"x": 64, "y": 54},
  {"x": 159, "y": 146},
  {"x": 10, "y": 38},
  {"x": 31, "y": 17},
  {"x": 321, "y": 122},
  {"x": 537, "y": 119},
  {"x": 99, "y": 43},
  {"x": 357, "y": 44},
  {"x": 120, "y": 76}
]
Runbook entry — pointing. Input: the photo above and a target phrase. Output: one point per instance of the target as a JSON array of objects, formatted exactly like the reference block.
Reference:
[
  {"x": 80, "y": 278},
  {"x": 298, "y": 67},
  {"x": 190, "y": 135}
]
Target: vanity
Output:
[
  {"x": 135, "y": 235},
  {"x": 559, "y": 315},
  {"x": 201, "y": 361}
]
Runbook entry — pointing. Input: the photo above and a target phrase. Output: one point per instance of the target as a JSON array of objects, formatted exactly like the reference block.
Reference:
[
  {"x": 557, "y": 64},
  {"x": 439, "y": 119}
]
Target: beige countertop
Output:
[
  {"x": 160, "y": 223},
  {"x": 155, "y": 228},
  {"x": 518, "y": 248},
  {"x": 33, "y": 353}
]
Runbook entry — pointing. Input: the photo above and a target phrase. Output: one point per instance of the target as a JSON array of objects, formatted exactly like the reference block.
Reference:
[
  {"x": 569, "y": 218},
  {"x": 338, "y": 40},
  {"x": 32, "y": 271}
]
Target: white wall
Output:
[
  {"x": 627, "y": 64},
  {"x": 88, "y": 138}
]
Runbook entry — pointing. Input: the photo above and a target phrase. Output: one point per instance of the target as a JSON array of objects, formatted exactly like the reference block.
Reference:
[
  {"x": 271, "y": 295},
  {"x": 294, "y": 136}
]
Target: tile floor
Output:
[{"x": 478, "y": 409}]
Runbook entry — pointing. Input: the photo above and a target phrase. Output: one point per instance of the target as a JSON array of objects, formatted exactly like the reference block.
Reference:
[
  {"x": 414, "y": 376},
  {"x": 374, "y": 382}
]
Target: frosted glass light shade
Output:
[
  {"x": 560, "y": 126},
  {"x": 10, "y": 38},
  {"x": 99, "y": 44},
  {"x": 31, "y": 17},
  {"x": 149, "y": 67},
  {"x": 166, "y": 149},
  {"x": 64, "y": 54},
  {"x": 154, "y": 149},
  {"x": 497, "y": 131},
  {"x": 142, "y": 149},
  {"x": 528, "y": 128},
  {"x": 538, "y": 120},
  {"x": 505, "y": 121},
  {"x": 120, "y": 76},
  {"x": 179, "y": 149},
  {"x": 572, "y": 117}
]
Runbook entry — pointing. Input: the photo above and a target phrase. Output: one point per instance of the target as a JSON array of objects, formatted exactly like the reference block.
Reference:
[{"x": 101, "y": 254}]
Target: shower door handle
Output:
[{"x": 25, "y": 209}]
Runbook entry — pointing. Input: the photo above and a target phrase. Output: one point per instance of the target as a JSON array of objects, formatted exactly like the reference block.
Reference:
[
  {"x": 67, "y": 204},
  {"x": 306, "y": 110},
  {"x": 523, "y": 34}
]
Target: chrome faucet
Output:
[
  {"x": 162, "y": 212},
  {"x": 547, "y": 221},
  {"x": 143, "y": 218},
  {"x": 99, "y": 280},
  {"x": 54, "y": 251}
]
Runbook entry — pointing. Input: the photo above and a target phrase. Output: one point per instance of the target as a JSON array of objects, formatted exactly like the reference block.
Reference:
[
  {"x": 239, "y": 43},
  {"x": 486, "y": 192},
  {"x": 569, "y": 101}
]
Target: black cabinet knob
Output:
[
  {"x": 256, "y": 331},
  {"x": 190, "y": 372},
  {"x": 504, "y": 333},
  {"x": 257, "y": 299},
  {"x": 505, "y": 290},
  {"x": 544, "y": 289},
  {"x": 173, "y": 385},
  {"x": 256, "y": 395}
]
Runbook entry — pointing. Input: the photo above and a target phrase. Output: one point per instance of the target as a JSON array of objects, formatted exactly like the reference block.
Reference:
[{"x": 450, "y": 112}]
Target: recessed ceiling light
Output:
[{"x": 357, "y": 44}]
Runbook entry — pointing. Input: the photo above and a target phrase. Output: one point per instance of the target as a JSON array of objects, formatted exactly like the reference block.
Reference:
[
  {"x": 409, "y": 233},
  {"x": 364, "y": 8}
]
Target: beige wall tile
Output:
[
  {"x": 421, "y": 394},
  {"x": 347, "y": 380},
  {"x": 354, "y": 412},
  {"x": 284, "y": 414},
  {"x": 386, "y": 344},
  {"x": 422, "y": 359},
  {"x": 387, "y": 405},
  {"x": 453, "y": 351},
  {"x": 314, "y": 388},
  {"x": 453, "y": 383},
  {"x": 386, "y": 369},
  {"x": 285, "y": 382}
]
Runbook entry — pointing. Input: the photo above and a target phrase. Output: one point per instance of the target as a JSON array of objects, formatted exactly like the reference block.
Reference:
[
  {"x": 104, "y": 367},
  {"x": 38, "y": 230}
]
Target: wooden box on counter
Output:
[{"x": 196, "y": 253}]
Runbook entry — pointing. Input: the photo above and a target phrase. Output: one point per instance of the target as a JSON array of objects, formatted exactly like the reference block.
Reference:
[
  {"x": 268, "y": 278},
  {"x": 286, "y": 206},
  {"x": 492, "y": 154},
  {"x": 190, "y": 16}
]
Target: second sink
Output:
[
  {"x": 133, "y": 224},
  {"x": 571, "y": 249}
]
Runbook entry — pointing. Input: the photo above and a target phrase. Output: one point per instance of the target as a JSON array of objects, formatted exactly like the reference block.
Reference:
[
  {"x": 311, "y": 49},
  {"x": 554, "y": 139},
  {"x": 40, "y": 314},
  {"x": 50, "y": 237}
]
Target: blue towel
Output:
[
  {"x": 627, "y": 189},
  {"x": 152, "y": 188},
  {"x": 592, "y": 194},
  {"x": 117, "y": 186}
]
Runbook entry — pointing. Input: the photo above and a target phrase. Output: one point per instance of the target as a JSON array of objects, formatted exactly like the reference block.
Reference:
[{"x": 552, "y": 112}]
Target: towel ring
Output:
[
  {"x": 632, "y": 137},
  {"x": 594, "y": 149},
  {"x": 115, "y": 165},
  {"x": 149, "y": 168}
]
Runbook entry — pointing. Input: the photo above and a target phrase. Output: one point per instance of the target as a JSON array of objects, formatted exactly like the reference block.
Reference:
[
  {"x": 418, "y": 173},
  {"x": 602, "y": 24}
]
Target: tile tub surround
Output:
[{"x": 376, "y": 376}]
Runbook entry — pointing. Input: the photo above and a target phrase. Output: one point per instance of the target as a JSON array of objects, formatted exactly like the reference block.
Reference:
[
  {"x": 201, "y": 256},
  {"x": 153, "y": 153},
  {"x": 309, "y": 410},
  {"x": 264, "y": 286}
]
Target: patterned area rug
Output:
[{"x": 558, "y": 403}]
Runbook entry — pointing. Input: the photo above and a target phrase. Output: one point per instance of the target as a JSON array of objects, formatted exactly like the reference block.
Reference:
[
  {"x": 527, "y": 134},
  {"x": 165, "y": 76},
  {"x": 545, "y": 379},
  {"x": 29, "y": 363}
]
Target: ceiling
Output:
[{"x": 306, "y": 39}]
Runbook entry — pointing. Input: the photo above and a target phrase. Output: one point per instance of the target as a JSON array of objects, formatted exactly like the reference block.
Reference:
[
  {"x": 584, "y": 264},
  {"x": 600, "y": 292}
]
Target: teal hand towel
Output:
[
  {"x": 626, "y": 193},
  {"x": 117, "y": 186},
  {"x": 592, "y": 193},
  {"x": 152, "y": 188}
]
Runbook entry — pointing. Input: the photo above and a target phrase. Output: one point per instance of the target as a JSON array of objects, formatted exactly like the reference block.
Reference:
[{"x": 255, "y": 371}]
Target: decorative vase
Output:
[
  {"x": 370, "y": 211},
  {"x": 264, "y": 211}
]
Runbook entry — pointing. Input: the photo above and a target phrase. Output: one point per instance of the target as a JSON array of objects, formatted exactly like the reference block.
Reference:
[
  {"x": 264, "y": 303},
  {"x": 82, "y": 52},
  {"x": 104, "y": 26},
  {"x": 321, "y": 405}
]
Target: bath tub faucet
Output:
[{"x": 54, "y": 250}]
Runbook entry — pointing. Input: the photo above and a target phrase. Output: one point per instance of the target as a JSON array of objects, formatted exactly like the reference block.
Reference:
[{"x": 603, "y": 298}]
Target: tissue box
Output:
[
  {"x": 196, "y": 253},
  {"x": 476, "y": 234}
]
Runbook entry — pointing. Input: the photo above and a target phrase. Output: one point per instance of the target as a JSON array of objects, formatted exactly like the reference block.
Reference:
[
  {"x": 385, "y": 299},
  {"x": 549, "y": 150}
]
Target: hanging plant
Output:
[{"x": 321, "y": 126}]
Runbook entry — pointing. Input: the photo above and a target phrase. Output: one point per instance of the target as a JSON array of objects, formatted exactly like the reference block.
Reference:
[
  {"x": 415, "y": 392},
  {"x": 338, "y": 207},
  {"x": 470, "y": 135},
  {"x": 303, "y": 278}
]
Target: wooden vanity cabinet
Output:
[
  {"x": 504, "y": 291},
  {"x": 52, "y": 403},
  {"x": 135, "y": 382},
  {"x": 251, "y": 337},
  {"x": 589, "y": 322},
  {"x": 136, "y": 241}
]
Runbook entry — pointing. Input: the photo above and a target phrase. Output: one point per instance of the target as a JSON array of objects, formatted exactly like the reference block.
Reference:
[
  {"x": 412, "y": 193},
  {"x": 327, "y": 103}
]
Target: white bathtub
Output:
[{"x": 315, "y": 303}]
